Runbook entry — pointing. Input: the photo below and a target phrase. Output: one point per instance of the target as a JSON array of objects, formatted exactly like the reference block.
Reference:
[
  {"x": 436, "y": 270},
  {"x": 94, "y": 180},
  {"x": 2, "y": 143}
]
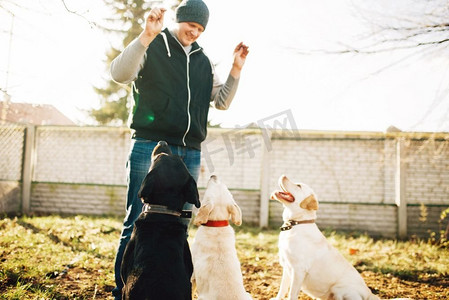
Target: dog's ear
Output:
[
  {"x": 236, "y": 214},
  {"x": 191, "y": 192},
  {"x": 203, "y": 214},
  {"x": 146, "y": 188},
  {"x": 310, "y": 203}
]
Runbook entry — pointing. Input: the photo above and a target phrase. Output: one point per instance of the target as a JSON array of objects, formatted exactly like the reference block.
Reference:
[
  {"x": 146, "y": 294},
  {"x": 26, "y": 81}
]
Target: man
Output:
[{"x": 173, "y": 85}]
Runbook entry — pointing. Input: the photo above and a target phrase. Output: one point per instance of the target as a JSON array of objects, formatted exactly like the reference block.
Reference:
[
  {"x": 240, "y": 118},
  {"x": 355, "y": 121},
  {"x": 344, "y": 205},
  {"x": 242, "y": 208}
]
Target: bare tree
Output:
[
  {"x": 398, "y": 25},
  {"x": 419, "y": 28}
]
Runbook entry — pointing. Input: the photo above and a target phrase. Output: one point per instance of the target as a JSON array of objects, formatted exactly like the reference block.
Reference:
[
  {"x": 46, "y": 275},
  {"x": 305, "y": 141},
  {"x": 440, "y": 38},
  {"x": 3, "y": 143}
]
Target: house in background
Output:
[{"x": 36, "y": 114}]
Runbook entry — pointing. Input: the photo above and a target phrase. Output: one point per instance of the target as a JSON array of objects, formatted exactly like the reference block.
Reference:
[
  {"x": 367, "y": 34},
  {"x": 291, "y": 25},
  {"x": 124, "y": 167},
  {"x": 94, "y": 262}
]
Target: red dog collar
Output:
[{"x": 219, "y": 223}]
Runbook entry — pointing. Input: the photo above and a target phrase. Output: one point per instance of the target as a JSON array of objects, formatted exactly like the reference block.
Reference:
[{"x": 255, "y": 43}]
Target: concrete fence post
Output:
[
  {"x": 400, "y": 199},
  {"x": 265, "y": 184},
  {"x": 27, "y": 167}
]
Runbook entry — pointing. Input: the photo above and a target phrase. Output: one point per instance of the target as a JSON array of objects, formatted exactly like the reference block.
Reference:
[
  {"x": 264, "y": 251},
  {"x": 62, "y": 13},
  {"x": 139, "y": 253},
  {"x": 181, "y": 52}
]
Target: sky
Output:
[{"x": 56, "y": 57}]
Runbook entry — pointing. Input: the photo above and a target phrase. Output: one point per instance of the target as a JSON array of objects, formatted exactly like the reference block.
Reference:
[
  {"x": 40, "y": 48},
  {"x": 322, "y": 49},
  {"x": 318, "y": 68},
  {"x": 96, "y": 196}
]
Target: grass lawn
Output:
[{"x": 52, "y": 257}]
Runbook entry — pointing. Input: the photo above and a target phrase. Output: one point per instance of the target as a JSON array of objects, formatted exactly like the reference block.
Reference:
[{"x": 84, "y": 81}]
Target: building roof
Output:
[{"x": 36, "y": 114}]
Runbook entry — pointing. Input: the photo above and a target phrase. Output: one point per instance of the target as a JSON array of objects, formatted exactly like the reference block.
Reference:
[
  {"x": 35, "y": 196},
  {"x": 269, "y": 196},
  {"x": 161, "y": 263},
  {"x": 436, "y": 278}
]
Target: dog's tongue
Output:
[{"x": 286, "y": 196}]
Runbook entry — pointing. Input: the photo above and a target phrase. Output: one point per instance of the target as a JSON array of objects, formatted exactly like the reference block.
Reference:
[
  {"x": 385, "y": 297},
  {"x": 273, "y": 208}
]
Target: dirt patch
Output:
[
  {"x": 263, "y": 283},
  {"x": 78, "y": 283}
]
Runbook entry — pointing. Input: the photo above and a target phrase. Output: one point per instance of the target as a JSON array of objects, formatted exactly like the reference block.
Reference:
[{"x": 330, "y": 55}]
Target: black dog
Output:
[{"x": 157, "y": 263}]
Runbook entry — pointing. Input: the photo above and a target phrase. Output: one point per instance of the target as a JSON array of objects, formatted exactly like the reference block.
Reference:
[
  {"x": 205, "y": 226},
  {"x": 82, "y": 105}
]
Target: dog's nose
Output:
[
  {"x": 214, "y": 177},
  {"x": 162, "y": 143}
]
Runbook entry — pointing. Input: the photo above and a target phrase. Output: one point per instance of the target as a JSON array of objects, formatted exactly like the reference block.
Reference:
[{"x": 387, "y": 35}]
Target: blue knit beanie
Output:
[{"x": 193, "y": 11}]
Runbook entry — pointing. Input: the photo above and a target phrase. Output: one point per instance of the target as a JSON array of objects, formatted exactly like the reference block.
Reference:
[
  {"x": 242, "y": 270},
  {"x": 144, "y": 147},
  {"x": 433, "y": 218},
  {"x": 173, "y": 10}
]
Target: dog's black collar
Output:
[
  {"x": 186, "y": 214},
  {"x": 289, "y": 224},
  {"x": 162, "y": 209}
]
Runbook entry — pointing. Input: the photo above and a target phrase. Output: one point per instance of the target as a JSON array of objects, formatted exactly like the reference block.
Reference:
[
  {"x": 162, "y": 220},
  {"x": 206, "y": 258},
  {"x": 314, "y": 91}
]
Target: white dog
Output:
[
  {"x": 309, "y": 262},
  {"x": 216, "y": 268}
]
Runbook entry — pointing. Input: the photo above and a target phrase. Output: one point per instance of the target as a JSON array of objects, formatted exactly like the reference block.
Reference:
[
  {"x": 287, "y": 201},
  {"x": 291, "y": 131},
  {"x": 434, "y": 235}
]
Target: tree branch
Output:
[{"x": 91, "y": 23}]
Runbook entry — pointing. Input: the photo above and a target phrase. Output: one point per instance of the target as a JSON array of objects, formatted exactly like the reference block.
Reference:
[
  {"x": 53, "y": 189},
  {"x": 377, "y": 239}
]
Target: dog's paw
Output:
[
  {"x": 237, "y": 222},
  {"x": 198, "y": 222}
]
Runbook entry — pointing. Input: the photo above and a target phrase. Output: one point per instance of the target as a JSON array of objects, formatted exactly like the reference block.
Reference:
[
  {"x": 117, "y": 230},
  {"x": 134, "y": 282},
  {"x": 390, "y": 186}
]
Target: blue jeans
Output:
[{"x": 137, "y": 166}]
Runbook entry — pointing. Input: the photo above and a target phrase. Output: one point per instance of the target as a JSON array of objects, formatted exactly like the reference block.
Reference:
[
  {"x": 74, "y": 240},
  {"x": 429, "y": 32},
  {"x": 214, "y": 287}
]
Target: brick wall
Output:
[
  {"x": 233, "y": 155},
  {"x": 66, "y": 198},
  {"x": 82, "y": 170},
  {"x": 92, "y": 155},
  {"x": 427, "y": 172},
  {"x": 338, "y": 169}
]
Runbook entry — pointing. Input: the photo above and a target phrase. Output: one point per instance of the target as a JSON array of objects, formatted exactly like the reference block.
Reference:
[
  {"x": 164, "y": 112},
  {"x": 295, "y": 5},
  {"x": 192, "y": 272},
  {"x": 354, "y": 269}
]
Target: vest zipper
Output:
[
  {"x": 188, "y": 92},
  {"x": 189, "y": 121}
]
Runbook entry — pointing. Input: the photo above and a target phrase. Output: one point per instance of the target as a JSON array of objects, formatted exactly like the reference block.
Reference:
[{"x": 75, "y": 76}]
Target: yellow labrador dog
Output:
[
  {"x": 216, "y": 268},
  {"x": 309, "y": 262}
]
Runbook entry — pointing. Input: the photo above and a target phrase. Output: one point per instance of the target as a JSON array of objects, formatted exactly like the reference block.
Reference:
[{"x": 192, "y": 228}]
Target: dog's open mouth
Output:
[{"x": 286, "y": 196}]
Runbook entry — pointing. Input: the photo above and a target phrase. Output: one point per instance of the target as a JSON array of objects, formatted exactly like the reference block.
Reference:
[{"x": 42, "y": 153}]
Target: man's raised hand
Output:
[{"x": 153, "y": 25}]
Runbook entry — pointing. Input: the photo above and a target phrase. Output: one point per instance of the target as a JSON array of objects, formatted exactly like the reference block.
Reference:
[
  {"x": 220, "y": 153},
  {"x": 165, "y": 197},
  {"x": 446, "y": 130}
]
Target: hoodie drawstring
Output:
[{"x": 164, "y": 36}]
